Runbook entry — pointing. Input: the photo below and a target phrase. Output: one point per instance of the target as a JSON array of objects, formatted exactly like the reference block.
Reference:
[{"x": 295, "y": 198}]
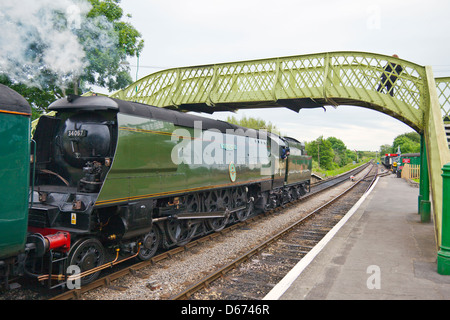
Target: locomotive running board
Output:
[{"x": 207, "y": 215}]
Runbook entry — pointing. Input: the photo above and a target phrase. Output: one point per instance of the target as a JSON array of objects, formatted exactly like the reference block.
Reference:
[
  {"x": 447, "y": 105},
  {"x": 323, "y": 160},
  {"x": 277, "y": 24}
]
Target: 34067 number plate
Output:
[{"x": 77, "y": 133}]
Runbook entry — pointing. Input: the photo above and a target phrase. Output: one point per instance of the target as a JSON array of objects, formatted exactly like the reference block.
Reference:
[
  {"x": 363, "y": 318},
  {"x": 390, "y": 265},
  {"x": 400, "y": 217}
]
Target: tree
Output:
[
  {"x": 385, "y": 148},
  {"x": 351, "y": 155},
  {"x": 107, "y": 67},
  {"x": 253, "y": 123},
  {"x": 64, "y": 47},
  {"x": 321, "y": 151},
  {"x": 408, "y": 143},
  {"x": 35, "y": 96},
  {"x": 340, "y": 151}
]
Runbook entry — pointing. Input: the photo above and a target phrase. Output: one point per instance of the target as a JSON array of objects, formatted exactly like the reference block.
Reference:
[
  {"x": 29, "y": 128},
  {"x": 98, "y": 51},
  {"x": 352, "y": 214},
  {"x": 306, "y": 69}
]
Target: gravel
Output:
[{"x": 169, "y": 277}]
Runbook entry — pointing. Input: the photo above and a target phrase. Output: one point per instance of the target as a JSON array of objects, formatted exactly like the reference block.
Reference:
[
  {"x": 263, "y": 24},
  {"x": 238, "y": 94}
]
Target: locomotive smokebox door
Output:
[{"x": 86, "y": 137}]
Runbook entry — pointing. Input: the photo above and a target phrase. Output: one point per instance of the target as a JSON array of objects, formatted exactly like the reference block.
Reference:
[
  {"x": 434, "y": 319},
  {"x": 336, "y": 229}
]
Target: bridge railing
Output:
[
  {"x": 443, "y": 88},
  {"x": 334, "y": 78},
  {"x": 327, "y": 78},
  {"x": 365, "y": 71}
]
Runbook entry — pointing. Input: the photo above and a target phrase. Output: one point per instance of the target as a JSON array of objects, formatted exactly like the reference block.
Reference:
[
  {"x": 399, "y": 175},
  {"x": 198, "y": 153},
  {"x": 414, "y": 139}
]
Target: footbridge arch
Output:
[{"x": 409, "y": 94}]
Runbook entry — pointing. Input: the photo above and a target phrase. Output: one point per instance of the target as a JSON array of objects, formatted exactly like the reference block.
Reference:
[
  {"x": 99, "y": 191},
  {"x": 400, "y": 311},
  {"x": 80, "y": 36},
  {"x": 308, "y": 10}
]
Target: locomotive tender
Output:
[
  {"x": 114, "y": 175},
  {"x": 15, "y": 115}
]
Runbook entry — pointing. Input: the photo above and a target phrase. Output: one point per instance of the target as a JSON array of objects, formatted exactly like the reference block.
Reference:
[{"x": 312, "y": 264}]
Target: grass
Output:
[{"x": 338, "y": 171}]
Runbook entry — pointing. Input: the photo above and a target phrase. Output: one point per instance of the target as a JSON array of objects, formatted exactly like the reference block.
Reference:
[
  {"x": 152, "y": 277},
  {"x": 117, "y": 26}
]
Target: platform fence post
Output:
[
  {"x": 424, "y": 186},
  {"x": 443, "y": 260}
]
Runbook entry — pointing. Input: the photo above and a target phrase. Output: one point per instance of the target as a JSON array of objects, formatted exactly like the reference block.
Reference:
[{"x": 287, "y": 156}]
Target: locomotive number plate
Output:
[{"x": 77, "y": 133}]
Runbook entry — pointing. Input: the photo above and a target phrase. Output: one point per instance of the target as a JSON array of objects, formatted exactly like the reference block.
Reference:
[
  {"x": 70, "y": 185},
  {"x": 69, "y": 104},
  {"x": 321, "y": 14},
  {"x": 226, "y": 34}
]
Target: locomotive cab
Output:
[{"x": 74, "y": 152}]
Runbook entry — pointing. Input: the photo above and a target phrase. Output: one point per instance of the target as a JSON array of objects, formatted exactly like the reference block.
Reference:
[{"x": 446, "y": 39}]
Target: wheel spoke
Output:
[
  {"x": 87, "y": 254},
  {"x": 150, "y": 245},
  {"x": 217, "y": 200}
]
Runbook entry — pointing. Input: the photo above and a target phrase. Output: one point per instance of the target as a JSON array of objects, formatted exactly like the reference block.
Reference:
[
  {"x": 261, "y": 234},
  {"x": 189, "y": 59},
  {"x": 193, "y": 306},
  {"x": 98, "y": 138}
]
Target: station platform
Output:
[{"x": 381, "y": 251}]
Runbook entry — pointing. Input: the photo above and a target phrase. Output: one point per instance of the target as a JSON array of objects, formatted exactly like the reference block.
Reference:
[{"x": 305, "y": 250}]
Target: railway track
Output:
[
  {"x": 135, "y": 269},
  {"x": 252, "y": 275}
]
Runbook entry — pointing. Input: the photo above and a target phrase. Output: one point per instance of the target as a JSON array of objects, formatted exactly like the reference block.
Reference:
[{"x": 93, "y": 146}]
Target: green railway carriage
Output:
[
  {"x": 15, "y": 114},
  {"x": 114, "y": 174},
  {"x": 410, "y": 158}
]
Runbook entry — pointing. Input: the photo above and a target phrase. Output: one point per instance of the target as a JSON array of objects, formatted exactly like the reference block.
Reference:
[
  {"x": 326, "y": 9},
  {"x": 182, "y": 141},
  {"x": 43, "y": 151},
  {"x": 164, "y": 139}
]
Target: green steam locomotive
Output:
[{"x": 114, "y": 176}]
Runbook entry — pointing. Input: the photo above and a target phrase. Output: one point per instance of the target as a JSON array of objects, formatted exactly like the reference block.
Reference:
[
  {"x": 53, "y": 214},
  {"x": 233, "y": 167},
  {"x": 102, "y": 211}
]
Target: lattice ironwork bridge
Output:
[{"x": 396, "y": 87}]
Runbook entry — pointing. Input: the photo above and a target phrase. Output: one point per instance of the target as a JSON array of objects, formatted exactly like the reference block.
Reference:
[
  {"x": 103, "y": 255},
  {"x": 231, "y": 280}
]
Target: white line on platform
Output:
[{"x": 295, "y": 272}]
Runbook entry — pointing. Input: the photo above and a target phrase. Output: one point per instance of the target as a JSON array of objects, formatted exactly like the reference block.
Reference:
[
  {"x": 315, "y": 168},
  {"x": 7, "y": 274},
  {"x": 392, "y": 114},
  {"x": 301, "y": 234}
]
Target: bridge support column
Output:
[
  {"x": 443, "y": 259},
  {"x": 424, "y": 193},
  {"x": 438, "y": 155}
]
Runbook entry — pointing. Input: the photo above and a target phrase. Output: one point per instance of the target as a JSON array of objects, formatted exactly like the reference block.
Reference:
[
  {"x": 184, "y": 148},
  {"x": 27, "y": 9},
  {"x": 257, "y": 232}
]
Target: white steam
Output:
[{"x": 39, "y": 38}]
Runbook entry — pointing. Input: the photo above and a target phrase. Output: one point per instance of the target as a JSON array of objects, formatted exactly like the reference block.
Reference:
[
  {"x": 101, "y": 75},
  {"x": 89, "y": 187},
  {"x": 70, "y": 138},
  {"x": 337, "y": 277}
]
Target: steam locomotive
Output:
[{"x": 116, "y": 178}]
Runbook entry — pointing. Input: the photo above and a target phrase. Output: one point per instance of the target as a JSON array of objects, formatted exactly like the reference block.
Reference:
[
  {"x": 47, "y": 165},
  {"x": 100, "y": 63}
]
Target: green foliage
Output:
[
  {"x": 106, "y": 42},
  {"x": 253, "y": 123},
  {"x": 408, "y": 143},
  {"x": 340, "y": 151},
  {"x": 337, "y": 171},
  {"x": 322, "y": 152},
  {"x": 351, "y": 156},
  {"x": 106, "y": 8},
  {"x": 332, "y": 154},
  {"x": 106, "y": 67},
  {"x": 385, "y": 148},
  {"x": 38, "y": 98}
]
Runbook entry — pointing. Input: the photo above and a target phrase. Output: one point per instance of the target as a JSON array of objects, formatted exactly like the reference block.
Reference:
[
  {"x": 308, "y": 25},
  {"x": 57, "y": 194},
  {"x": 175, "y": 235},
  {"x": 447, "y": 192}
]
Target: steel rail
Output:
[
  {"x": 206, "y": 281},
  {"x": 106, "y": 280}
]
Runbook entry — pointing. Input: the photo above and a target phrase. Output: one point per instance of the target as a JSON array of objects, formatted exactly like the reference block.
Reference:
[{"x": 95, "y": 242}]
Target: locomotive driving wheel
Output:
[
  {"x": 150, "y": 244},
  {"x": 180, "y": 232},
  {"x": 240, "y": 200},
  {"x": 192, "y": 202},
  {"x": 87, "y": 254},
  {"x": 217, "y": 200}
]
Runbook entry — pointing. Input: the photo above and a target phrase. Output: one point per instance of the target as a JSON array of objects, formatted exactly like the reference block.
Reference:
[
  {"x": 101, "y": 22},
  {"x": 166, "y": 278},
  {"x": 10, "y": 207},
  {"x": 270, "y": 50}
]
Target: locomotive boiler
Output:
[{"x": 112, "y": 177}]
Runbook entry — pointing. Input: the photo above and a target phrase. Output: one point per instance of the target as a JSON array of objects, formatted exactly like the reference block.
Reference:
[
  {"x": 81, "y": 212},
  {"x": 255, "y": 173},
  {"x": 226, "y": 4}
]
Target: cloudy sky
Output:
[{"x": 180, "y": 33}]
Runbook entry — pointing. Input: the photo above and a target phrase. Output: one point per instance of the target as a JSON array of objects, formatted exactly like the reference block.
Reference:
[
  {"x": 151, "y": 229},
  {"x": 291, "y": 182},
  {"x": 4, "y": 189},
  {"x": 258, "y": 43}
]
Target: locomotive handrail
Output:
[{"x": 33, "y": 172}]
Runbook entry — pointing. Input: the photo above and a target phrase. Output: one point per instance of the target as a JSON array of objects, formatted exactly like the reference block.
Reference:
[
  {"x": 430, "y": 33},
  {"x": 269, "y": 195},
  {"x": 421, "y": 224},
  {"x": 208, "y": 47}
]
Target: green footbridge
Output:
[{"x": 410, "y": 94}]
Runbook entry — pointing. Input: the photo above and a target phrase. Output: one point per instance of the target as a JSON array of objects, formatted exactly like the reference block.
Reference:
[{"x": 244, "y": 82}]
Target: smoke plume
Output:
[{"x": 43, "y": 39}]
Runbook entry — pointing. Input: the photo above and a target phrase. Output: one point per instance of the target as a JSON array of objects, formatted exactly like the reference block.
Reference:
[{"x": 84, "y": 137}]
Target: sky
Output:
[{"x": 180, "y": 33}]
